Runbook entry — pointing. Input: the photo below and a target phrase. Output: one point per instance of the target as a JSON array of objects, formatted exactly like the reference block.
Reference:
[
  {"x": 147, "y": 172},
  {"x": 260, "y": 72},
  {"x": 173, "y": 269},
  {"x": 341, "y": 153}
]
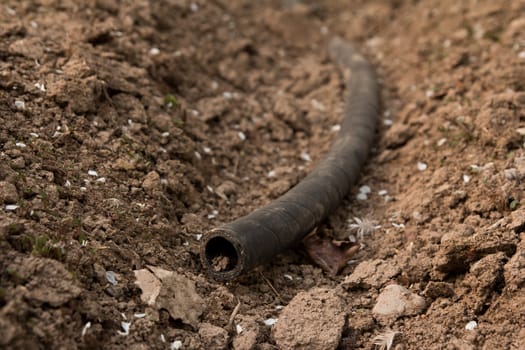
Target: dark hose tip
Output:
[{"x": 222, "y": 255}]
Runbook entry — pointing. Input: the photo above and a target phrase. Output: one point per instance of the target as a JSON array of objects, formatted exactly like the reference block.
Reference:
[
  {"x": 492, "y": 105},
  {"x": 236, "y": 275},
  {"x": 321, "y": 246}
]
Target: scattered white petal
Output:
[
  {"x": 466, "y": 179},
  {"x": 20, "y": 144},
  {"x": 335, "y": 128},
  {"x": 227, "y": 95},
  {"x": 365, "y": 189},
  {"x": 521, "y": 54},
  {"x": 521, "y": 131},
  {"x": 10, "y": 11},
  {"x": 306, "y": 157},
  {"x": 382, "y": 192},
  {"x": 441, "y": 142},
  {"x": 162, "y": 338},
  {"x": 111, "y": 277},
  {"x": 83, "y": 189},
  {"x": 210, "y": 189},
  {"x": 140, "y": 315},
  {"x": 318, "y": 105},
  {"x": 85, "y": 328},
  {"x": 238, "y": 329},
  {"x": 123, "y": 315},
  {"x": 398, "y": 225},
  {"x": 429, "y": 93},
  {"x": 176, "y": 345},
  {"x": 385, "y": 339},
  {"x": 362, "y": 196},
  {"x": 388, "y": 122},
  {"x": 352, "y": 239},
  {"x": 67, "y": 183},
  {"x": 421, "y": 166},
  {"x": 195, "y": 113},
  {"x": 194, "y": 7},
  {"x": 165, "y": 134},
  {"x": 154, "y": 51},
  {"x": 33, "y": 24},
  {"x": 474, "y": 168},
  {"x": 40, "y": 87},
  {"x": 364, "y": 227},
  {"x": 278, "y": 307},
  {"x": 271, "y": 173},
  {"x": 198, "y": 237},
  {"x": 101, "y": 180},
  {"x": 11, "y": 207},
  {"x": 214, "y": 85},
  {"x": 92, "y": 173},
  {"x": 20, "y": 104},
  {"x": 206, "y": 150},
  {"x": 288, "y": 277},
  {"x": 33, "y": 134},
  {"x": 84, "y": 243},
  {"x": 270, "y": 322},
  {"x": 241, "y": 136},
  {"x": 125, "y": 328},
  {"x": 471, "y": 325},
  {"x": 198, "y": 155}
]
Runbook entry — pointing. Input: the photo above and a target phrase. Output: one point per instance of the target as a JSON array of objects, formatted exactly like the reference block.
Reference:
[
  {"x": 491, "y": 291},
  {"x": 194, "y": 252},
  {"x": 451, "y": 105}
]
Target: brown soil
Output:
[{"x": 129, "y": 128}]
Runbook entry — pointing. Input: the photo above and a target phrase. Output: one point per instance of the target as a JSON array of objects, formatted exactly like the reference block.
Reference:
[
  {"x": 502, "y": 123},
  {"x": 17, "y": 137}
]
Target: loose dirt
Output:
[{"x": 130, "y": 128}]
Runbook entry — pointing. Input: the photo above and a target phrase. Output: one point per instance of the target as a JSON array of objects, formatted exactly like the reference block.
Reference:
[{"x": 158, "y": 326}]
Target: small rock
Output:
[
  {"x": 227, "y": 188},
  {"x": 517, "y": 220},
  {"x": 246, "y": 339},
  {"x": 396, "y": 301},
  {"x": 371, "y": 273},
  {"x": 8, "y": 193},
  {"x": 151, "y": 183},
  {"x": 213, "y": 337},
  {"x": 312, "y": 320},
  {"x": 515, "y": 269},
  {"x": 438, "y": 289}
]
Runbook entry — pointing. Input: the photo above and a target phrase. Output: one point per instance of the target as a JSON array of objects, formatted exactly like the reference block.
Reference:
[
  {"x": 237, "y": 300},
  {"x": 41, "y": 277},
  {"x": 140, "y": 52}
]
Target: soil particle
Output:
[
  {"x": 213, "y": 337},
  {"x": 396, "y": 301},
  {"x": 151, "y": 183},
  {"x": 46, "y": 281},
  {"x": 458, "y": 251},
  {"x": 515, "y": 268},
  {"x": 8, "y": 193},
  {"x": 483, "y": 280},
  {"x": 312, "y": 320},
  {"x": 247, "y": 329},
  {"x": 371, "y": 274}
]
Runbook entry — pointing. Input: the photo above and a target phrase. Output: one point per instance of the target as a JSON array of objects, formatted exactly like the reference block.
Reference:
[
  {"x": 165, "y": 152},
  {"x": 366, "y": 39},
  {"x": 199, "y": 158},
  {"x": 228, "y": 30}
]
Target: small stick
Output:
[
  {"x": 272, "y": 288},
  {"x": 234, "y": 313}
]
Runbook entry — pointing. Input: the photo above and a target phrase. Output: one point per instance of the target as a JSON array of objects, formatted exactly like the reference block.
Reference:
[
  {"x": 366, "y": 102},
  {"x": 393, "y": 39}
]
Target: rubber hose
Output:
[{"x": 234, "y": 248}]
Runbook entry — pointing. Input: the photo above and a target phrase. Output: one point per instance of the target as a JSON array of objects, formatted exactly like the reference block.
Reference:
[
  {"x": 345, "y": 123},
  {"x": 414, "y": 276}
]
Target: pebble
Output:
[
  {"x": 213, "y": 337},
  {"x": 396, "y": 301},
  {"x": 312, "y": 320},
  {"x": 8, "y": 193}
]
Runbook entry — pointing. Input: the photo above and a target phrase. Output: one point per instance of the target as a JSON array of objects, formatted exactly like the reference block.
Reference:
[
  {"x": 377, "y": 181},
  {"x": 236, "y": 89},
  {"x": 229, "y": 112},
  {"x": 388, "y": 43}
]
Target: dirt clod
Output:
[
  {"x": 312, "y": 320},
  {"x": 397, "y": 301},
  {"x": 8, "y": 193}
]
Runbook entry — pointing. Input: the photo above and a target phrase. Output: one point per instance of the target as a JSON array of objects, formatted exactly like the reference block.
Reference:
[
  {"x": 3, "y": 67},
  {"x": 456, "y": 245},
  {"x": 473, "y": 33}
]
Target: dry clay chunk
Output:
[
  {"x": 313, "y": 320},
  {"x": 396, "y": 301}
]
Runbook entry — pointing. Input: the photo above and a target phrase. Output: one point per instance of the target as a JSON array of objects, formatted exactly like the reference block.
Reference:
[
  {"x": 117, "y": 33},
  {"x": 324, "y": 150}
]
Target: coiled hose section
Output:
[{"x": 234, "y": 248}]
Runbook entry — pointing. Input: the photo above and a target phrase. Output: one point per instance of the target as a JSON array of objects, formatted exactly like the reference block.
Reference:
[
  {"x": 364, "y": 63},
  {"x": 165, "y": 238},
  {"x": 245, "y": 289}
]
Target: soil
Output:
[{"x": 130, "y": 128}]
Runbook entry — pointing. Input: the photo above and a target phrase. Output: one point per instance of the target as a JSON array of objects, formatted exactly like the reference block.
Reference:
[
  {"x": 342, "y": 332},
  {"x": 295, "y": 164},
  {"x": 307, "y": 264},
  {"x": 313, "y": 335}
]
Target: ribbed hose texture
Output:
[{"x": 236, "y": 247}]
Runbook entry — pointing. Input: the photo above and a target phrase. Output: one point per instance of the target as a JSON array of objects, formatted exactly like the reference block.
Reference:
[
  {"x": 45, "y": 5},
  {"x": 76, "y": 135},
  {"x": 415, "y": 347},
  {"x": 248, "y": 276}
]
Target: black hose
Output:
[{"x": 236, "y": 247}]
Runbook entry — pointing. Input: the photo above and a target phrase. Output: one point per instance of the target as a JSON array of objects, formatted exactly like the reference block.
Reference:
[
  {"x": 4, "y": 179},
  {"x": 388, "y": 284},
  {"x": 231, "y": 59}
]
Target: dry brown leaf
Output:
[{"x": 330, "y": 255}]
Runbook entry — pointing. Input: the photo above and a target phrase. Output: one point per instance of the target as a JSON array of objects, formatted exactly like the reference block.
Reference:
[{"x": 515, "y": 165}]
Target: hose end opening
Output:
[{"x": 221, "y": 257}]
